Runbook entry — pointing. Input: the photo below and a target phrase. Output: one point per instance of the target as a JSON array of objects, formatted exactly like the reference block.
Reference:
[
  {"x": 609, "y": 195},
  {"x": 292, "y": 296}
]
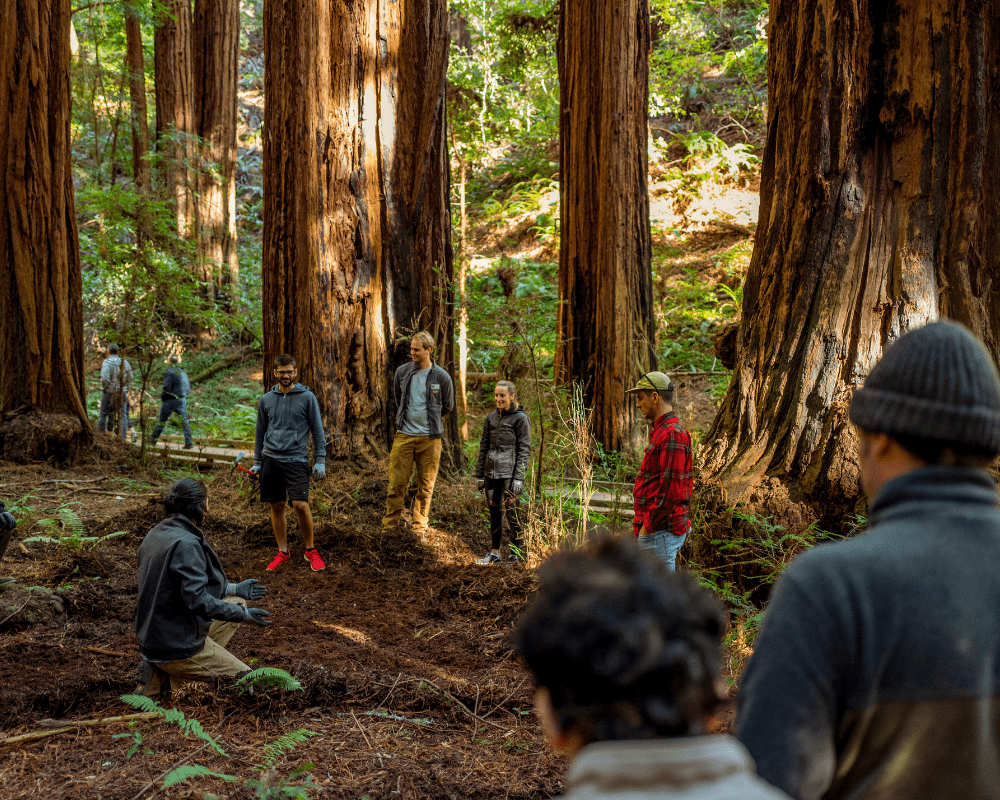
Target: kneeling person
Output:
[
  {"x": 187, "y": 611},
  {"x": 626, "y": 656}
]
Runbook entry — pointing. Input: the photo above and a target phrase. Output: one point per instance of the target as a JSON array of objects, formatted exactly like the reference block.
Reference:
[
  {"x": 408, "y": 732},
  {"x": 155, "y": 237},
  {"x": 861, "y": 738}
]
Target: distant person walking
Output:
[
  {"x": 173, "y": 400},
  {"x": 286, "y": 416},
  {"x": 186, "y": 610},
  {"x": 116, "y": 378},
  {"x": 423, "y": 392},
  {"x": 663, "y": 486},
  {"x": 7, "y": 525},
  {"x": 504, "y": 453},
  {"x": 875, "y": 673}
]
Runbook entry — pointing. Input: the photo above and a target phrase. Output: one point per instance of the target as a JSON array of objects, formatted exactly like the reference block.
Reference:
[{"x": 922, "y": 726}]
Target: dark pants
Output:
[
  {"x": 168, "y": 407},
  {"x": 107, "y": 400},
  {"x": 503, "y": 505}
]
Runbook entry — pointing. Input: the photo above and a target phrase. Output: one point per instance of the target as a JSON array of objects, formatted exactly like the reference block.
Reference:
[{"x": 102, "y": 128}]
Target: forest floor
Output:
[{"x": 402, "y": 645}]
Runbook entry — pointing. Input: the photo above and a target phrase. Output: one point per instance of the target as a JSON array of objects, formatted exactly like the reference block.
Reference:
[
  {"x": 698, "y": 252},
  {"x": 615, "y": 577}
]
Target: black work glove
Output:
[
  {"x": 516, "y": 487},
  {"x": 480, "y": 484},
  {"x": 248, "y": 589},
  {"x": 258, "y": 616},
  {"x": 7, "y": 521}
]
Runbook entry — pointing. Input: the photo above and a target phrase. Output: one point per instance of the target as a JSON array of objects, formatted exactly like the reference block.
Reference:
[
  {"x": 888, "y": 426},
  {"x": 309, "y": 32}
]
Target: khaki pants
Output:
[
  {"x": 406, "y": 450},
  {"x": 212, "y": 662}
]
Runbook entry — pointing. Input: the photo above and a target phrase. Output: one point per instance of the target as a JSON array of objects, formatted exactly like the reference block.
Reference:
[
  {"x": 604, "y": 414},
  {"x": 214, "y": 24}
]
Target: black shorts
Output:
[{"x": 278, "y": 478}]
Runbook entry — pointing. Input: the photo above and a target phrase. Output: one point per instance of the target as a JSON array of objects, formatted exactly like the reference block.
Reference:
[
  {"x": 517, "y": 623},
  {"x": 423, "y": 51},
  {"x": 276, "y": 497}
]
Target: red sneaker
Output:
[
  {"x": 279, "y": 559},
  {"x": 312, "y": 556}
]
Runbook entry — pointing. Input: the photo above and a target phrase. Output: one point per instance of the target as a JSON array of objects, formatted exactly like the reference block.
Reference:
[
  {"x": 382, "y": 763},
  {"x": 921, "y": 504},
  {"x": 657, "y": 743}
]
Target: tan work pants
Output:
[
  {"x": 212, "y": 662},
  {"x": 407, "y": 450}
]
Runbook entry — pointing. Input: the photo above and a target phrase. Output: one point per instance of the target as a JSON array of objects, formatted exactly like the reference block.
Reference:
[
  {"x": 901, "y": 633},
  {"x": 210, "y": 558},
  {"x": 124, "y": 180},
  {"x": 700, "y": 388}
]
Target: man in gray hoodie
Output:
[
  {"x": 116, "y": 377},
  {"x": 286, "y": 416}
]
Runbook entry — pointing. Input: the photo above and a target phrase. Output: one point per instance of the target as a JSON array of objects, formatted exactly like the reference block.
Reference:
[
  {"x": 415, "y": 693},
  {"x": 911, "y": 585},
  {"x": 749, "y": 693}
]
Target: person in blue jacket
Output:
[
  {"x": 186, "y": 610},
  {"x": 173, "y": 400},
  {"x": 286, "y": 416}
]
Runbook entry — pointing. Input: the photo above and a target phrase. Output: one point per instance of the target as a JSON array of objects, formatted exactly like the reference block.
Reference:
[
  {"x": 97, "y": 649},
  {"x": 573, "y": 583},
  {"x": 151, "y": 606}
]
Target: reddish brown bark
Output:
[
  {"x": 357, "y": 250},
  {"x": 41, "y": 327},
  {"x": 605, "y": 318},
  {"x": 875, "y": 216},
  {"x": 135, "y": 64}
]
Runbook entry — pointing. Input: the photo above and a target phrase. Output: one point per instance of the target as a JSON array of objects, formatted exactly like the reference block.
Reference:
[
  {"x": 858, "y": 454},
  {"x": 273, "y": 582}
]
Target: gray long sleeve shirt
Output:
[{"x": 284, "y": 424}]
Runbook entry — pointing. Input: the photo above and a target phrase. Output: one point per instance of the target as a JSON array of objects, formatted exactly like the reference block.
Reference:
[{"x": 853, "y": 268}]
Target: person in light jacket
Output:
[{"x": 504, "y": 452}]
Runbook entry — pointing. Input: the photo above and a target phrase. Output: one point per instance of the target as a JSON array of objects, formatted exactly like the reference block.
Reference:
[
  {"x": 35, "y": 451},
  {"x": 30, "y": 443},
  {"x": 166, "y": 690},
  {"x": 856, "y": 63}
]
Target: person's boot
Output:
[{"x": 153, "y": 681}]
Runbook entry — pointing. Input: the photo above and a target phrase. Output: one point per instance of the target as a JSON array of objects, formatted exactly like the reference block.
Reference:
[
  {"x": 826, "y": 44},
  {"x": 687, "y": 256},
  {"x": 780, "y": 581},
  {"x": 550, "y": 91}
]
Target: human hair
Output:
[
  {"x": 113, "y": 349},
  {"x": 175, "y": 359},
  {"x": 425, "y": 339},
  {"x": 626, "y": 648},
  {"x": 284, "y": 360},
  {"x": 940, "y": 453},
  {"x": 667, "y": 395},
  {"x": 187, "y": 496},
  {"x": 507, "y": 386}
]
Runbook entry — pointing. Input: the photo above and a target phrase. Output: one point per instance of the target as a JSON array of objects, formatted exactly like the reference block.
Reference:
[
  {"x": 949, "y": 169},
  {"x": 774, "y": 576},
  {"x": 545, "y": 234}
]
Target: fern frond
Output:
[
  {"x": 193, "y": 727},
  {"x": 270, "y": 676},
  {"x": 71, "y": 522},
  {"x": 283, "y": 744},
  {"x": 188, "y": 771},
  {"x": 142, "y": 703},
  {"x": 175, "y": 717}
]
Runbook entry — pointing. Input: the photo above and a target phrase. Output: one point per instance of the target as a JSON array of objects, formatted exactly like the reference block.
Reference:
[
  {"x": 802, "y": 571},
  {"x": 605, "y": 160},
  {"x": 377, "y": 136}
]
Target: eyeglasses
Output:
[{"x": 284, "y": 372}]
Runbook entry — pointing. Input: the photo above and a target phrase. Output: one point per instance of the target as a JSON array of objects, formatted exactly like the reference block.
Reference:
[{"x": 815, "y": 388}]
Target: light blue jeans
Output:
[{"x": 666, "y": 544}]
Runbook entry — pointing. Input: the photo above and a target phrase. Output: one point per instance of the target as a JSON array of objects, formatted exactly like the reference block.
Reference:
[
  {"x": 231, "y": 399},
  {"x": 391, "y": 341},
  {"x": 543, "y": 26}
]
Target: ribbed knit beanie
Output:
[{"x": 936, "y": 383}]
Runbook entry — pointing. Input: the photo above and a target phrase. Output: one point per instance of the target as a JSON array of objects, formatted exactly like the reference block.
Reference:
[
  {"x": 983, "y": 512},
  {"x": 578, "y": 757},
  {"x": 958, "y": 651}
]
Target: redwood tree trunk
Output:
[
  {"x": 874, "y": 218},
  {"x": 216, "y": 75},
  {"x": 41, "y": 327},
  {"x": 175, "y": 123},
  {"x": 357, "y": 249},
  {"x": 135, "y": 64},
  {"x": 605, "y": 318}
]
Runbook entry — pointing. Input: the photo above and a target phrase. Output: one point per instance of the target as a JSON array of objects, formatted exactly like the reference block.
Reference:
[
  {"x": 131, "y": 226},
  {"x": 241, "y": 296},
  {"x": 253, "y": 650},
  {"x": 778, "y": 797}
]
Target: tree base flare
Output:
[{"x": 40, "y": 437}]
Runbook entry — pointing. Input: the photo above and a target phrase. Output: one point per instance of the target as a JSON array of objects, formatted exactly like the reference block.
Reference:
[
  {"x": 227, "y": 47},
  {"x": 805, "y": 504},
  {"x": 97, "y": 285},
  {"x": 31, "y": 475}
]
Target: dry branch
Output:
[{"x": 73, "y": 726}]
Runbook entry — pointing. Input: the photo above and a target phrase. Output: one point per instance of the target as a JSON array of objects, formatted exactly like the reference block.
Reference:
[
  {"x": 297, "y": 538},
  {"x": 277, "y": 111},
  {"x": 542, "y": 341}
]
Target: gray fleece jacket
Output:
[
  {"x": 284, "y": 422},
  {"x": 181, "y": 585}
]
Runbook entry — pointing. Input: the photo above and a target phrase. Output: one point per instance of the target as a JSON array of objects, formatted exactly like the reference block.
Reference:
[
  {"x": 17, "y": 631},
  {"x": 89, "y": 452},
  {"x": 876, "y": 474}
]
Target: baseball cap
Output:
[{"x": 651, "y": 382}]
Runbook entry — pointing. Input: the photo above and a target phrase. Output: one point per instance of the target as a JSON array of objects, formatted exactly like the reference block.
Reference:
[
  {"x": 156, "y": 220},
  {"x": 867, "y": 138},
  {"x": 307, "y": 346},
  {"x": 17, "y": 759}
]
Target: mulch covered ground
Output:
[{"x": 402, "y": 645}]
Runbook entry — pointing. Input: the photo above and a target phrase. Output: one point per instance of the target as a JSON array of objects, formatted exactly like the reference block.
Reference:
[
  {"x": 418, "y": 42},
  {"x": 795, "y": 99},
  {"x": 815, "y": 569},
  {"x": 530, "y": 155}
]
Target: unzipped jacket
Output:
[{"x": 505, "y": 446}]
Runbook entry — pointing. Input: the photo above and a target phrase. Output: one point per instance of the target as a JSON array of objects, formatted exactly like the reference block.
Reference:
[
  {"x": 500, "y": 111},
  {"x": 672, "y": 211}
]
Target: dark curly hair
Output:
[
  {"x": 187, "y": 496},
  {"x": 626, "y": 648}
]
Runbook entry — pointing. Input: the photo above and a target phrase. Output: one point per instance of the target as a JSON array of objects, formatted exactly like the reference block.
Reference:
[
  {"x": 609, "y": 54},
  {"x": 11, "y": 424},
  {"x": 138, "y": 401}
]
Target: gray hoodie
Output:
[
  {"x": 116, "y": 374},
  {"x": 284, "y": 422}
]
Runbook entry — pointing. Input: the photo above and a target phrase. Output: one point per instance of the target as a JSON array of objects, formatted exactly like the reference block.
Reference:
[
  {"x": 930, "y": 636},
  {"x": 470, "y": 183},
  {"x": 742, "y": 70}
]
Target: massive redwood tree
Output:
[
  {"x": 357, "y": 248},
  {"x": 878, "y": 212},
  {"x": 605, "y": 319},
  {"x": 41, "y": 324}
]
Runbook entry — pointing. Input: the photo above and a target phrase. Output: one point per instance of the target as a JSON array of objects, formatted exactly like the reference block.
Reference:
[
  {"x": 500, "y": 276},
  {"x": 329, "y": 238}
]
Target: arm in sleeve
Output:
[
  {"x": 484, "y": 448},
  {"x": 397, "y": 386},
  {"x": 188, "y": 565},
  {"x": 258, "y": 442},
  {"x": 787, "y": 715},
  {"x": 523, "y": 454},
  {"x": 126, "y": 374},
  {"x": 316, "y": 424},
  {"x": 675, "y": 481},
  {"x": 447, "y": 394}
]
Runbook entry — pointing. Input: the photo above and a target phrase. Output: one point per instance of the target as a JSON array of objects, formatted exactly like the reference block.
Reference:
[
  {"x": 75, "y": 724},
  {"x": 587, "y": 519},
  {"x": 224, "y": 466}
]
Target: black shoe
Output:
[
  {"x": 188, "y": 446},
  {"x": 514, "y": 558}
]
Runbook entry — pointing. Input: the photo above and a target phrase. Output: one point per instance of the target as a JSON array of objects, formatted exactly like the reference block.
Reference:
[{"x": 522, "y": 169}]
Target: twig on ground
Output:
[
  {"x": 172, "y": 767},
  {"x": 18, "y": 611},
  {"x": 103, "y": 652},
  {"x": 71, "y": 726},
  {"x": 498, "y": 705},
  {"x": 460, "y": 704}
]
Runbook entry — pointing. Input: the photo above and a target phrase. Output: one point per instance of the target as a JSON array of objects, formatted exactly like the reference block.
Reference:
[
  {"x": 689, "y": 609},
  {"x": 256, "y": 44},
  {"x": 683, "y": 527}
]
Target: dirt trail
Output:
[{"x": 391, "y": 641}]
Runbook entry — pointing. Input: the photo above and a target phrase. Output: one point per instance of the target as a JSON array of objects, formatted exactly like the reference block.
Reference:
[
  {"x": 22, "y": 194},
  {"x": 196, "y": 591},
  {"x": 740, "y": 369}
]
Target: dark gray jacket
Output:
[
  {"x": 505, "y": 446},
  {"x": 175, "y": 384},
  {"x": 181, "y": 584},
  {"x": 284, "y": 422},
  {"x": 876, "y": 673},
  {"x": 440, "y": 395}
]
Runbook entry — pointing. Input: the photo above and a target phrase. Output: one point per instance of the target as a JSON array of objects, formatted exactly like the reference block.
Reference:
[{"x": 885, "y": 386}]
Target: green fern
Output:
[
  {"x": 270, "y": 676},
  {"x": 68, "y": 531},
  {"x": 283, "y": 744},
  {"x": 182, "y": 774},
  {"x": 189, "y": 727}
]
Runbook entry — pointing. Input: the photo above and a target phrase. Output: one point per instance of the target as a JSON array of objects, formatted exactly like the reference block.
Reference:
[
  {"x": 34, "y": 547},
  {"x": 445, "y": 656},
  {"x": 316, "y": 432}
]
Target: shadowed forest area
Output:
[{"x": 753, "y": 198}]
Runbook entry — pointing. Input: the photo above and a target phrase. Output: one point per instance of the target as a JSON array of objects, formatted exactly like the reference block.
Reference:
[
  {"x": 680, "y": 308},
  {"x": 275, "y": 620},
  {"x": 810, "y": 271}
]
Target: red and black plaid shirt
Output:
[{"x": 663, "y": 486}]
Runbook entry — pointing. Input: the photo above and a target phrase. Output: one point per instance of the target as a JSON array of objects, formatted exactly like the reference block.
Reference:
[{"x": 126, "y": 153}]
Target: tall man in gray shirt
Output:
[
  {"x": 423, "y": 391},
  {"x": 286, "y": 416}
]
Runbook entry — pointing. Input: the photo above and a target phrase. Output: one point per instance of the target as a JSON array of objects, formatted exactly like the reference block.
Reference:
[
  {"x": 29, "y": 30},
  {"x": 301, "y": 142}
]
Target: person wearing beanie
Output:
[{"x": 876, "y": 672}]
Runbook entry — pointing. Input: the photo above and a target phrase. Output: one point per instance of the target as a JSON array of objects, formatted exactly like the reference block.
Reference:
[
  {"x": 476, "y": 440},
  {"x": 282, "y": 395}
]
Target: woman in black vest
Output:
[{"x": 504, "y": 452}]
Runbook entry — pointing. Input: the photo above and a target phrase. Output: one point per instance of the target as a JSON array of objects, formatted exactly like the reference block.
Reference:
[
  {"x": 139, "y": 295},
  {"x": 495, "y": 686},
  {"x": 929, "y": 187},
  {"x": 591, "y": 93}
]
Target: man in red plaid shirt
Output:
[{"x": 663, "y": 486}]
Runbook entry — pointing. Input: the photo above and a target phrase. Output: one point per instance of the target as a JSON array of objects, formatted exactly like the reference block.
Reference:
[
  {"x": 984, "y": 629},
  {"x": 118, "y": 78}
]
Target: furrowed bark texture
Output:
[
  {"x": 874, "y": 218},
  {"x": 175, "y": 119},
  {"x": 216, "y": 55},
  {"x": 41, "y": 327},
  {"x": 137, "y": 96},
  {"x": 357, "y": 249},
  {"x": 605, "y": 318}
]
